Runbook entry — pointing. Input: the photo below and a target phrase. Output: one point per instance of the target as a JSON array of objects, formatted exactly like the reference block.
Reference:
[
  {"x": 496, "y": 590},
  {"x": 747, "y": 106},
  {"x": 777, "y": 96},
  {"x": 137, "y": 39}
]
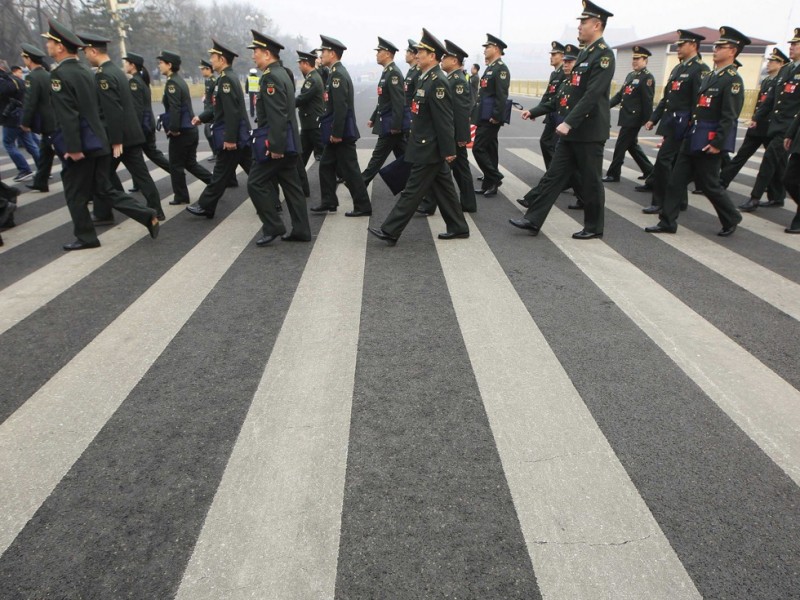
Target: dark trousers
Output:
[
  {"x": 152, "y": 152},
  {"x": 435, "y": 181},
  {"x": 628, "y": 141},
  {"x": 704, "y": 169},
  {"x": 463, "y": 178},
  {"x": 665, "y": 161},
  {"x": 262, "y": 192},
  {"x": 547, "y": 142},
  {"x": 209, "y": 137},
  {"x": 107, "y": 197},
  {"x": 133, "y": 159},
  {"x": 792, "y": 182},
  {"x": 386, "y": 144},
  {"x": 772, "y": 170},
  {"x": 749, "y": 146},
  {"x": 486, "y": 153},
  {"x": 45, "y": 164},
  {"x": 183, "y": 157},
  {"x": 311, "y": 143},
  {"x": 79, "y": 182},
  {"x": 585, "y": 158},
  {"x": 342, "y": 158},
  {"x": 224, "y": 170}
]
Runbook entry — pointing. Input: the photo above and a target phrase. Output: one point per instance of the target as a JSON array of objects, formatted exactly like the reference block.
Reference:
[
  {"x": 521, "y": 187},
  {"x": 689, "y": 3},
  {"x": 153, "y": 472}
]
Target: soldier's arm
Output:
[
  {"x": 501, "y": 95},
  {"x": 307, "y": 92},
  {"x": 793, "y": 128},
  {"x": 462, "y": 103},
  {"x": 339, "y": 100},
  {"x": 648, "y": 92},
  {"x": 33, "y": 92},
  {"x": 276, "y": 104},
  {"x": 616, "y": 98},
  {"x": 731, "y": 107},
  {"x": 766, "y": 108},
  {"x": 138, "y": 98},
  {"x": 208, "y": 108},
  {"x": 442, "y": 118},
  {"x": 68, "y": 115},
  {"x": 545, "y": 106},
  {"x": 230, "y": 108},
  {"x": 397, "y": 97},
  {"x": 597, "y": 87},
  {"x": 173, "y": 96},
  {"x": 112, "y": 107}
]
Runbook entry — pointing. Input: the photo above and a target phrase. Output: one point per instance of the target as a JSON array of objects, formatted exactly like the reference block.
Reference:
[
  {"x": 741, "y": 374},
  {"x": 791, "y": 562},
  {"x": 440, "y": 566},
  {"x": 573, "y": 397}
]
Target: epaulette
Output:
[
  {"x": 731, "y": 71},
  {"x": 267, "y": 71},
  {"x": 99, "y": 69},
  {"x": 499, "y": 62},
  {"x": 602, "y": 46},
  {"x": 433, "y": 76},
  {"x": 333, "y": 70}
]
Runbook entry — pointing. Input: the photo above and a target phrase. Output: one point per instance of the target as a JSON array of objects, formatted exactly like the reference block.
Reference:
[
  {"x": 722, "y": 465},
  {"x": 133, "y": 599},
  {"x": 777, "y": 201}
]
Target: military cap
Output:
[
  {"x": 59, "y": 33},
  {"x": 329, "y": 43},
  {"x": 641, "y": 52},
  {"x": 571, "y": 52},
  {"x": 170, "y": 57},
  {"x": 386, "y": 45},
  {"x": 431, "y": 43},
  {"x": 412, "y": 46},
  {"x": 134, "y": 59},
  {"x": 92, "y": 40},
  {"x": 779, "y": 56},
  {"x": 684, "y": 35},
  {"x": 729, "y": 35},
  {"x": 492, "y": 40},
  {"x": 33, "y": 52},
  {"x": 592, "y": 11},
  {"x": 452, "y": 50},
  {"x": 265, "y": 42},
  {"x": 217, "y": 48},
  {"x": 796, "y": 36},
  {"x": 204, "y": 64},
  {"x": 309, "y": 57},
  {"x": 556, "y": 48}
]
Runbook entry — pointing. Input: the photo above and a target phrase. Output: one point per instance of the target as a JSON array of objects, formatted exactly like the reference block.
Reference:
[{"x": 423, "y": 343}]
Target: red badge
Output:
[
  {"x": 325, "y": 97},
  {"x": 576, "y": 79},
  {"x": 676, "y": 85},
  {"x": 628, "y": 90},
  {"x": 562, "y": 101},
  {"x": 380, "y": 91},
  {"x": 415, "y": 107},
  {"x": 551, "y": 89},
  {"x": 789, "y": 88},
  {"x": 762, "y": 97},
  {"x": 704, "y": 101},
  {"x": 484, "y": 83}
]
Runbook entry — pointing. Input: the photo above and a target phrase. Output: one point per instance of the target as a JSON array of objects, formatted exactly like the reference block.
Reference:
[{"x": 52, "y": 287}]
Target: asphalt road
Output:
[{"x": 506, "y": 416}]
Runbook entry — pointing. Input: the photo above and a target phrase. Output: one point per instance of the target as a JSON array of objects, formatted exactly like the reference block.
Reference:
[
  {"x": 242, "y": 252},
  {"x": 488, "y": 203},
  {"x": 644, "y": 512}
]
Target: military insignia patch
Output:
[
  {"x": 650, "y": 82},
  {"x": 459, "y": 89},
  {"x": 605, "y": 62},
  {"x": 336, "y": 83},
  {"x": 395, "y": 80},
  {"x": 103, "y": 84},
  {"x": 27, "y": 83},
  {"x": 171, "y": 88},
  {"x": 440, "y": 93},
  {"x": 226, "y": 87},
  {"x": 307, "y": 85},
  {"x": 56, "y": 85},
  {"x": 134, "y": 86},
  {"x": 270, "y": 90},
  {"x": 736, "y": 88},
  {"x": 503, "y": 74}
]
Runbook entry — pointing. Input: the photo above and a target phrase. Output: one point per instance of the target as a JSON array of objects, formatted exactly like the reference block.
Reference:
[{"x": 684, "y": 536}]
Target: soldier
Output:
[
  {"x": 715, "y": 117},
  {"x": 412, "y": 75},
  {"x": 37, "y": 113},
  {"x": 672, "y": 114},
  {"x": 231, "y": 130},
  {"x": 489, "y": 114},
  {"x": 276, "y": 161},
  {"x": 310, "y": 107},
  {"x": 177, "y": 124},
  {"x": 791, "y": 144},
  {"x": 387, "y": 118},
  {"x": 756, "y": 135},
  {"x": 635, "y": 98},
  {"x": 209, "y": 83},
  {"x": 339, "y": 134},
  {"x": 584, "y": 131},
  {"x": 781, "y": 106},
  {"x": 474, "y": 81},
  {"x": 81, "y": 140},
  {"x": 547, "y": 141},
  {"x": 431, "y": 147}
]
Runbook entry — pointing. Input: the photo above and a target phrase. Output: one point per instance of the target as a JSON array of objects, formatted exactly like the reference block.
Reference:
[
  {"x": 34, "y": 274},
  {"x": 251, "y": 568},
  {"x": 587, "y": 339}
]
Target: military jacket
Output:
[
  {"x": 432, "y": 136},
  {"x": 494, "y": 84},
  {"x": 309, "y": 101},
  {"x": 229, "y": 105},
  {"x": 462, "y": 104},
  {"x": 555, "y": 104},
  {"x": 474, "y": 86},
  {"x": 410, "y": 84},
  {"x": 680, "y": 92},
  {"x": 116, "y": 104},
  {"x": 339, "y": 99},
  {"x": 762, "y": 122},
  {"x": 142, "y": 98},
  {"x": 177, "y": 99},
  {"x": 553, "y": 85},
  {"x": 37, "y": 111},
  {"x": 720, "y": 99},
  {"x": 275, "y": 107},
  {"x": 391, "y": 98},
  {"x": 791, "y": 133},
  {"x": 635, "y": 98},
  {"x": 783, "y": 101},
  {"x": 74, "y": 97},
  {"x": 590, "y": 83},
  {"x": 209, "y": 85}
]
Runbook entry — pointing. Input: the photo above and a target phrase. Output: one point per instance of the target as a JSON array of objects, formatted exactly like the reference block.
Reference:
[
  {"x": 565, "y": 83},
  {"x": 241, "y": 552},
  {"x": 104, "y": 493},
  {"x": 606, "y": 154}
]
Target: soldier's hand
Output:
[
  {"x": 173, "y": 133},
  {"x": 711, "y": 149},
  {"x": 493, "y": 121},
  {"x": 751, "y": 124},
  {"x": 229, "y": 145},
  {"x": 116, "y": 150},
  {"x": 526, "y": 114},
  {"x": 563, "y": 129},
  {"x": 25, "y": 129},
  {"x": 196, "y": 121},
  {"x": 395, "y": 131},
  {"x": 370, "y": 124},
  {"x": 450, "y": 158},
  {"x": 275, "y": 155},
  {"x": 649, "y": 126},
  {"x": 787, "y": 142},
  {"x": 462, "y": 144},
  {"x": 75, "y": 156},
  {"x": 335, "y": 140}
]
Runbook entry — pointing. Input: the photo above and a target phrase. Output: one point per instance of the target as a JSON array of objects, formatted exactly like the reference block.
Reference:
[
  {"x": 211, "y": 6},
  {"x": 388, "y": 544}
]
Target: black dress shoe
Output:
[
  {"x": 525, "y": 224},
  {"x": 266, "y": 239},
  {"x": 101, "y": 222},
  {"x": 153, "y": 228},
  {"x": 609, "y": 179},
  {"x": 479, "y": 192},
  {"x": 659, "y": 229},
  {"x": 426, "y": 213},
  {"x": 133, "y": 189},
  {"x": 453, "y": 236},
  {"x": 480, "y": 178},
  {"x": 644, "y": 188},
  {"x": 585, "y": 235},
  {"x": 340, "y": 180},
  {"x": 290, "y": 237},
  {"x": 768, "y": 203},
  {"x": 490, "y": 191},
  {"x": 792, "y": 230},
  {"x": 161, "y": 216},
  {"x": 199, "y": 211},
  {"x": 382, "y": 235},
  {"x": 79, "y": 245},
  {"x": 577, "y": 206},
  {"x": 726, "y": 231},
  {"x": 358, "y": 213},
  {"x": 697, "y": 192},
  {"x": 643, "y": 177},
  {"x": 37, "y": 188},
  {"x": 750, "y": 206},
  {"x": 322, "y": 209},
  {"x": 523, "y": 202},
  {"x": 651, "y": 210},
  {"x": 174, "y": 202}
]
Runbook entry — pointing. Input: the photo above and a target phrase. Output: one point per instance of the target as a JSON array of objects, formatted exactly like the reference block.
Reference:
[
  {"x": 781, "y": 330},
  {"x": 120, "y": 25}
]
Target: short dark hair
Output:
[{"x": 476, "y": 66}]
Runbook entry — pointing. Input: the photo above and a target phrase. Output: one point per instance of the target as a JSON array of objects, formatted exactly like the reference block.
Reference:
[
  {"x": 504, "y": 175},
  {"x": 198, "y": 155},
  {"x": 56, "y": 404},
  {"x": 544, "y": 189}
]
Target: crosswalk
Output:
[{"x": 498, "y": 417}]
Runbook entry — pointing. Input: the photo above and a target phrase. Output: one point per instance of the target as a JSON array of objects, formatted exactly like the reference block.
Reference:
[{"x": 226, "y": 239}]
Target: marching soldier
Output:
[
  {"x": 715, "y": 117},
  {"x": 584, "y": 131},
  {"x": 635, "y": 98},
  {"x": 339, "y": 134},
  {"x": 231, "y": 130},
  {"x": 547, "y": 141},
  {"x": 37, "y": 113},
  {"x": 387, "y": 118},
  {"x": 782, "y": 104},
  {"x": 489, "y": 114},
  {"x": 412, "y": 75},
  {"x": 209, "y": 83},
  {"x": 756, "y": 135},
  {"x": 310, "y": 107},
  {"x": 277, "y": 160},
  {"x": 431, "y": 147},
  {"x": 672, "y": 114},
  {"x": 791, "y": 144}
]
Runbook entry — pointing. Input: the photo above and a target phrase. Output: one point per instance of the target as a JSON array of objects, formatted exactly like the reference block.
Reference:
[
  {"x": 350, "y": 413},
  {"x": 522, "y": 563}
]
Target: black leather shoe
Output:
[
  {"x": 769, "y": 203},
  {"x": 174, "y": 202},
  {"x": 644, "y": 188},
  {"x": 479, "y": 192},
  {"x": 340, "y": 180},
  {"x": 199, "y": 211},
  {"x": 322, "y": 209},
  {"x": 523, "y": 202},
  {"x": 651, "y": 210},
  {"x": 480, "y": 178},
  {"x": 525, "y": 224},
  {"x": 426, "y": 213},
  {"x": 266, "y": 239},
  {"x": 101, "y": 222},
  {"x": 153, "y": 228},
  {"x": 750, "y": 206},
  {"x": 726, "y": 231},
  {"x": 697, "y": 192},
  {"x": 642, "y": 177},
  {"x": 37, "y": 188},
  {"x": 290, "y": 237},
  {"x": 577, "y": 206},
  {"x": 133, "y": 189},
  {"x": 382, "y": 235},
  {"x": 79, "y": 245},
  {"x": 453, "y": 236},
  {"x": 792, "y": 230},
  {"x": 358, "y": 213},
  {"x": 609, "y": 179},
  {"x": 490, "y": 191},
  {"x": 659, "y": 229},
  {"x": 585, "y": 235},
  {"x": 161, "y": 216}
]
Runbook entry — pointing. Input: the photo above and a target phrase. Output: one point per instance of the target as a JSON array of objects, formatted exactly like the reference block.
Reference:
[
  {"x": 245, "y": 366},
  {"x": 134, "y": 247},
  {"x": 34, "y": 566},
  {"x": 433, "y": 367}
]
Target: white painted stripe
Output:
[
  {"x": 46, "y": 435},
  {"x": 273, "y": 528},
  {"x": 588, "y": 531},
  {"x": 761, "y": 403}
]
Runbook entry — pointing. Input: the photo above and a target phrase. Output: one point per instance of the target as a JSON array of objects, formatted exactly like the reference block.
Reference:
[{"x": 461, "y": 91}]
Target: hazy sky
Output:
[{"x": 357, "y": 22}]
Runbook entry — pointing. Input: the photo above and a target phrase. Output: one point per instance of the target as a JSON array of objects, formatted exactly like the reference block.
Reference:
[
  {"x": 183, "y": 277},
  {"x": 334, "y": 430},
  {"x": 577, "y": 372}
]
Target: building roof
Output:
[{"x": 712, "y": 34}]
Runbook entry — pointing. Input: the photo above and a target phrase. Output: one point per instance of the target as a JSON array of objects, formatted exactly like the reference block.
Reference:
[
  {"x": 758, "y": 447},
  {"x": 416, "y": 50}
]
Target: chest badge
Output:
[{"x": 56, "y": 85}]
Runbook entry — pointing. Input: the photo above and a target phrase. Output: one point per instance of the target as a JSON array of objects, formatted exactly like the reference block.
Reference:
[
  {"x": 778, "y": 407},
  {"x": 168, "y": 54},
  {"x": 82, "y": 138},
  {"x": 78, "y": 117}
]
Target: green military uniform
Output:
[
  {"x": 635, "y": 100},
  {"x": 38, "y": 115},
  {"x": 390, "y": 107},
  {"x": 310, "y": 107},
  {"x": 432, "y": 139},
  {"x": 275, "y": 111},
  {"x": 209, "y": 83},
  {"x": 792, "y": 178},
  {"x": 340, "y": 156},
  {"x": 143, "y": 105},
  {"x": 493, "y": 92},
  {"x": 410, "y": 81},
  {"x": 548, "y": 139}
]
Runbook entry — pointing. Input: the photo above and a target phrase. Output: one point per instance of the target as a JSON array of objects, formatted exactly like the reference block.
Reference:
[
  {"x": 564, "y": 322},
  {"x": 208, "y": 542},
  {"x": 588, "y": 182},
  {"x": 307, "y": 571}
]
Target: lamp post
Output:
[{"x": 113, "y": 8}]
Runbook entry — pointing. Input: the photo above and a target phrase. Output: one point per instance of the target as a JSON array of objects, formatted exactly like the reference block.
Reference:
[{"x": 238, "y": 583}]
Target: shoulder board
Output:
[
  {"x": 500, "y": 62},
  {"x": 433, "y": 76},
  {"x": 267, "y": 72},
  {"x": 333, "y": 70},
  {"x": 602, "y": 46},
  {"x": 99, "y": 69},
  {"x": 731, "y": 72}
]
